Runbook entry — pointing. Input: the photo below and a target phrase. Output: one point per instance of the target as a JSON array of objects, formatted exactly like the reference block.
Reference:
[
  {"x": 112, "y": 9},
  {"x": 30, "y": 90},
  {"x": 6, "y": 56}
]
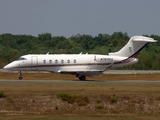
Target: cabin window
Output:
[
  {"x": 56, "y": 61},
  {"x": 68, "y": 61},
  {"x": 50, "y": 61},
  {"x": 62, "y": 61},
  {"x": 74, "y": 61},
  {"x": 44, "y": 61}
]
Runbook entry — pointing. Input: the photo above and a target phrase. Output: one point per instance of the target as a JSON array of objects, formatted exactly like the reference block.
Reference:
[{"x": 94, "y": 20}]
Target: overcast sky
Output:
[{"x": 71, "y": 17}]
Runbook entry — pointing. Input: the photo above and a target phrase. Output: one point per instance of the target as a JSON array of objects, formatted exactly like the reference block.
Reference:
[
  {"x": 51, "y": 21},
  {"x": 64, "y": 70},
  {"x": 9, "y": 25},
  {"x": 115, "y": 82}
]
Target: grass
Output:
[
  {"x": 113, "y": 99},
  {"x": 4, "y": 117},
  {"x": 2, "y": 95},
  {"x": 67, "y": 101},
  {"x": 78, "y": 99}
]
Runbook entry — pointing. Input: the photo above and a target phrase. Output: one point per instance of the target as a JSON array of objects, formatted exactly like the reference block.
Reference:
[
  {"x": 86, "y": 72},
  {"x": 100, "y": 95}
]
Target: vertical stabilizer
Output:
[{"x": 134, "y": 46}]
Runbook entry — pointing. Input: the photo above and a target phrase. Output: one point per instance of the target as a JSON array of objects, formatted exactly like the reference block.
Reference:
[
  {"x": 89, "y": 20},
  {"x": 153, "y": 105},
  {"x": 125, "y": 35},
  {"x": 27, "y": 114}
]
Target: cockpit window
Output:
[{"x": 21, "y": 58}]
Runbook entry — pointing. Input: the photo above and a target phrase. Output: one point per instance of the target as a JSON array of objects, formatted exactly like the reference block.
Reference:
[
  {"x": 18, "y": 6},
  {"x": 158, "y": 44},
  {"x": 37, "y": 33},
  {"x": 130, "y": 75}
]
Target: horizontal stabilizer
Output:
[{"x": 143, "y": 39}]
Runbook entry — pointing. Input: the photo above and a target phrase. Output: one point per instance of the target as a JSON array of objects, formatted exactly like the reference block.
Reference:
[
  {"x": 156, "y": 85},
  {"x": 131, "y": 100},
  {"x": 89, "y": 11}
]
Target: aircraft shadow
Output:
[{"x": 89, "y": 81}]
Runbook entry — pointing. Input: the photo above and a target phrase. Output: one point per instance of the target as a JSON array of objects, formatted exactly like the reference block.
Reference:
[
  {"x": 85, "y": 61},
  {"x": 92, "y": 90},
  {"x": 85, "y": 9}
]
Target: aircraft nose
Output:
[{"x": 7, "y": 67}]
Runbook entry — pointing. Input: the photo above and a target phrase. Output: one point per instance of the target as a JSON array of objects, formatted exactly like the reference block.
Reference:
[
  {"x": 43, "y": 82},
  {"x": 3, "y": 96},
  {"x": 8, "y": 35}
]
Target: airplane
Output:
[{"x": 81, "y": 65}]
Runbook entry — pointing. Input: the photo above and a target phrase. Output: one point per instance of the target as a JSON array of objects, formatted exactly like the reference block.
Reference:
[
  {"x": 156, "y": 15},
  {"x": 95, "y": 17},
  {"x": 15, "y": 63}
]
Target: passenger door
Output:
[{"x": 34, "y": 63}]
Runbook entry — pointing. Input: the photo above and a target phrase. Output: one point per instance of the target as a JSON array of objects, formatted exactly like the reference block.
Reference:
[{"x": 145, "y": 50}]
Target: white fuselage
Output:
[{"x": 67, "y": 63}]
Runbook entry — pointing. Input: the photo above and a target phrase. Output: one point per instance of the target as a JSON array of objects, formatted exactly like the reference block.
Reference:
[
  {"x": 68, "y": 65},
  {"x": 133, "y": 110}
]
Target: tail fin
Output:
[{"x": 133, "y": 47}]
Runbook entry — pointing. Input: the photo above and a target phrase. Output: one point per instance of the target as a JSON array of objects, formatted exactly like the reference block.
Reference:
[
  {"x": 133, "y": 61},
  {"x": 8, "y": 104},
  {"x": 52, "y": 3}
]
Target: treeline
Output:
[{"x": 13, "y": 46}]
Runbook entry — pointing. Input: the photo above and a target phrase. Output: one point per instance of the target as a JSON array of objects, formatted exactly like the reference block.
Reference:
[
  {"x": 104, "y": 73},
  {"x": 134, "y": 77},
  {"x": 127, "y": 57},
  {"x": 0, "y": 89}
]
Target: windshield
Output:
[{"x": 21, "y": 58}]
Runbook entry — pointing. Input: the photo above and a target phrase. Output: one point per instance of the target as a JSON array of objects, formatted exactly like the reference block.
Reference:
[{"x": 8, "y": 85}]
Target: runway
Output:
[{"x": 78, "y": 82}]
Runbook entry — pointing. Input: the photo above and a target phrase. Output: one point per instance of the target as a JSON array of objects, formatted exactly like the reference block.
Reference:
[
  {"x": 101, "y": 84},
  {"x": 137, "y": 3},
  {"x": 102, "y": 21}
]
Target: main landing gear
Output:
[
  {"x": 20, "y": 75},
  {"x": 81, "y": 77}
]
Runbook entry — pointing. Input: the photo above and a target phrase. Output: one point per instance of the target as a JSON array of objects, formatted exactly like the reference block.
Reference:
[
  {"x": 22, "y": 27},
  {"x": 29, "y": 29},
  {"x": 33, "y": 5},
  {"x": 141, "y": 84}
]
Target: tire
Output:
[
  {"x": 83, "y": 78},
  {"x": 20, "y": 78}
]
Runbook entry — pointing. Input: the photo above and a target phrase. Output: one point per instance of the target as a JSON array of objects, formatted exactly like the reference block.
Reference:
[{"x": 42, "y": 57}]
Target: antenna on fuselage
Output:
[{"x": 47, "y": 53}]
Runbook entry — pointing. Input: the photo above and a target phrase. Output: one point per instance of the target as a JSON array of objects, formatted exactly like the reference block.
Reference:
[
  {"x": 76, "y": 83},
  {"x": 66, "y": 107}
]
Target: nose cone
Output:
[
  {"x": 8, "y": 67},
  {"x": 5, "y": 67}
]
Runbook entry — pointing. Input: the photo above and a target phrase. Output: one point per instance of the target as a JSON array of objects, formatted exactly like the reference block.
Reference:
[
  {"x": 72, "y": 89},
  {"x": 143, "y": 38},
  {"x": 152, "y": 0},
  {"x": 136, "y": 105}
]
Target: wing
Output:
[{"x": 86, "y": 73}]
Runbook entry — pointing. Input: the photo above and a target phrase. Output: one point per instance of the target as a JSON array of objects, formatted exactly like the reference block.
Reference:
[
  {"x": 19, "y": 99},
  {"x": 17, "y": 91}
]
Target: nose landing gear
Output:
[{"x": 20, "y": 75}]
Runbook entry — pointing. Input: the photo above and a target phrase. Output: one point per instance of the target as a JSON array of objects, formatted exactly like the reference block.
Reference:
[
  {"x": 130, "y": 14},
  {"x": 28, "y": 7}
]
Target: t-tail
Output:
[
  {"x": 134, "y": 46},
  {"x": 130, "y": 51}
]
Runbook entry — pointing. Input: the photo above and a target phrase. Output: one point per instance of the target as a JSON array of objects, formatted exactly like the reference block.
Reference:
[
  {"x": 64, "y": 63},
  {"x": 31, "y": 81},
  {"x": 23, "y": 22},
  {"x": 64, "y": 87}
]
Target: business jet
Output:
[{"x": 81, "y": 65}]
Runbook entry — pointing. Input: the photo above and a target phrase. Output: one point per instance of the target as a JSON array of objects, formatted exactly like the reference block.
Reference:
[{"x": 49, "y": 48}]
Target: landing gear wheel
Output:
[
  {"x": 20, "y": 78},
  {"x": 20, "y": 75},
  {"x": 82, "y": 78}
]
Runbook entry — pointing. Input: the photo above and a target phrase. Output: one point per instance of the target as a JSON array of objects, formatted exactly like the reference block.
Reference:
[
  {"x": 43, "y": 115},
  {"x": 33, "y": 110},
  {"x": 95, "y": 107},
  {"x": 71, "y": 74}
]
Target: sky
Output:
[{"x": 71, "y": 17}]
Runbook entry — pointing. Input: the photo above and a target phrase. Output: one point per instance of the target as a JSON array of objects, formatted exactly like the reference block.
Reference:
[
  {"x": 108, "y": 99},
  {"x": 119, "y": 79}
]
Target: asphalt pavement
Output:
[{"x": 78, "y": 82}]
